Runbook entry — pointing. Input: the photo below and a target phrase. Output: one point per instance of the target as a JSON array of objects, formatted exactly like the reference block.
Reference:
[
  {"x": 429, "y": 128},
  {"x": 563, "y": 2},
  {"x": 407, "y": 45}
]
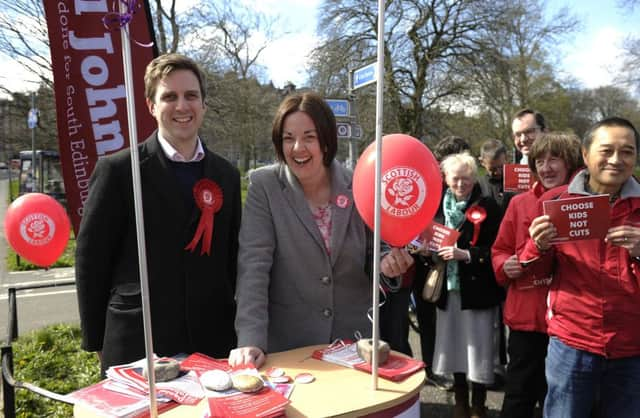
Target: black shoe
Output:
[{"x": 438, "y": 381}]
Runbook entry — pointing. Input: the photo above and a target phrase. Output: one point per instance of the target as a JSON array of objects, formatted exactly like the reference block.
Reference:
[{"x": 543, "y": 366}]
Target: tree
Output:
[
  {"x": 629, "y": 75},
  {"x": 425, "y": 41},
  {"x": 231, "y": 37},
  {"x": 238, "y": 123},
  {"x": 240, "y": 107},
  {"x": 513, "y": 67},
  {"x": 591, "y": 105},
  {"x": 23, "y": 37},
  {"x": 163, "y": 16}
]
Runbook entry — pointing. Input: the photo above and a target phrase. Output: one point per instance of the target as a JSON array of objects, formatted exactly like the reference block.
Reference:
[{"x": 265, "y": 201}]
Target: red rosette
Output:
[
  {"x": 476, "y": 215},
  {"x": 208, "y": 197}
]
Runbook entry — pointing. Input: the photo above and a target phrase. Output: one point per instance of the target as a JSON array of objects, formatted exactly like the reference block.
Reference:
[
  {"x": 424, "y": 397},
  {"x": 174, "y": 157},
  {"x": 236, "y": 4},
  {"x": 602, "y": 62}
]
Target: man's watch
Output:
[{"x": 636, "y": 259}]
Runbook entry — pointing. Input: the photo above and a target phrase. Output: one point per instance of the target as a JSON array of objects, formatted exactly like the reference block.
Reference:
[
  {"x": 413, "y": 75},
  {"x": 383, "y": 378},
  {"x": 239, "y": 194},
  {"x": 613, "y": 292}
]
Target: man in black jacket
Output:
[{"x": 191, "y": 202}]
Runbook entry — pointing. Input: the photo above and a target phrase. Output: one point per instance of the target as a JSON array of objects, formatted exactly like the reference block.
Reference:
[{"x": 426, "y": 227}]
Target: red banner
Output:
[{"x": 88, "y": 77}]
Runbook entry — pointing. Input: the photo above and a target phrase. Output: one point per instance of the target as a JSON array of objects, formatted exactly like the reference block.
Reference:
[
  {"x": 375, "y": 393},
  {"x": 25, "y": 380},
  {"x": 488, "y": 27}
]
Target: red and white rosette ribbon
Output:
[
  {"x": 208, "y": 197},
  {"x": 476, "y": 215}
]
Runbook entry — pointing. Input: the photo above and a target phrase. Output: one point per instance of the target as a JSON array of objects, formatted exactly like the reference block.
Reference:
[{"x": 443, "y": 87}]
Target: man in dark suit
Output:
[
  {"x": 493, "y": 156},
  {"x": 191, "y": 202}
]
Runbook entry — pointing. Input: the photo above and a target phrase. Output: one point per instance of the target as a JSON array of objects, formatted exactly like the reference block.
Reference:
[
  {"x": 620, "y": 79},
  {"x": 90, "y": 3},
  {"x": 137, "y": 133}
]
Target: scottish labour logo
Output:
[
  {"x": 37, "y": 229},
  {"x": 403, "y": 191}
]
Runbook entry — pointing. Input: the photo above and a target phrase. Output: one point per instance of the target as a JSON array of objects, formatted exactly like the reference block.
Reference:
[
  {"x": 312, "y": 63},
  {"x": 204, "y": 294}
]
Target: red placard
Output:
[
  {"x": 517, "y": 178},
  {"x": 88, "y": 75},
  {"x": 579, "y": 218},
  {"x": 437, "y": 236}
]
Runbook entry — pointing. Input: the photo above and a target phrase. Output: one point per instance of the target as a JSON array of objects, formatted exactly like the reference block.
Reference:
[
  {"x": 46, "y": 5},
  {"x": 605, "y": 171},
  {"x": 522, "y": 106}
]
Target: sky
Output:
[{"x": 591, "y": 56}]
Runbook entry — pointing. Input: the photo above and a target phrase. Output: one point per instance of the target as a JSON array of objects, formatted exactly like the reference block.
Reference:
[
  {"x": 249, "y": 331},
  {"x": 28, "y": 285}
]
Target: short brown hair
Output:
[
  {"x": 450, "y": 145},
  {"x": 492, "y": 149},
  {"x": 165, "y": 64},
  {"x": 322, "y": 116},
  {"x": 559, "y": 144},
  {"x": 539, "y": 118}
]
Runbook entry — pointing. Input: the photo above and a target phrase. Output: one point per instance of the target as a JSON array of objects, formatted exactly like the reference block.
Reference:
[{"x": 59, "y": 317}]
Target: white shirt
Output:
[{"x": 174, "y": 155}]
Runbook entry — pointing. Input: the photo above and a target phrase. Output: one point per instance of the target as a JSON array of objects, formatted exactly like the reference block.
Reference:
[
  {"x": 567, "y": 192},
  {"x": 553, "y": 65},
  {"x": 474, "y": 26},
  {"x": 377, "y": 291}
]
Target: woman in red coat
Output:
[{"x": 552, "y": 159}]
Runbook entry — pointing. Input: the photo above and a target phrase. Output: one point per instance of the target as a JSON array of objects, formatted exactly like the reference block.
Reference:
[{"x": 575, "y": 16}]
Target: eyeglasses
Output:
[{"x": 528, "y": 132}]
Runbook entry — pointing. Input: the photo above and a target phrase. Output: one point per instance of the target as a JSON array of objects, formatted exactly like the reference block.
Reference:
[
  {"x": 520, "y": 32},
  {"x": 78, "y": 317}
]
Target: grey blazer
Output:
[{"x": 290, "y": 292}]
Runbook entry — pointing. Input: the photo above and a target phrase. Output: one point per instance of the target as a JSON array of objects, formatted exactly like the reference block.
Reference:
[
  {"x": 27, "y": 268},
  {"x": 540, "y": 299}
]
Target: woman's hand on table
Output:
[{"x": 246, "y": 355}]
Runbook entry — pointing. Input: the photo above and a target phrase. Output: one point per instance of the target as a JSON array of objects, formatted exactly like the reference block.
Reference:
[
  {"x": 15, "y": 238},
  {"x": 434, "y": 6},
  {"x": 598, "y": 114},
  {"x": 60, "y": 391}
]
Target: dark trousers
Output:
[
  {"x": 394, "y": 320},
  {"x": 525, "y": 381}
]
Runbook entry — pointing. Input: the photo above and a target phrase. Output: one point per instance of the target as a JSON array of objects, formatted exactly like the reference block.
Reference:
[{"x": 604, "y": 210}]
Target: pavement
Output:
[{"x": 437, "y": 403}]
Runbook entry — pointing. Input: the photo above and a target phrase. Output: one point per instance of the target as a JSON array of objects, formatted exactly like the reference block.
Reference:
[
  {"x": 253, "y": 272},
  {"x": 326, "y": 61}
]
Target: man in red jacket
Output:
[{"x": 592, "y": 313}]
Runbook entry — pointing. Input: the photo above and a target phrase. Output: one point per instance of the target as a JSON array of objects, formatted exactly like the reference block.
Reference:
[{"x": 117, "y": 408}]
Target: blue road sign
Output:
[
  {"x": 32, "y": 118},
  {"x": 340, "y": 107},
  {"x": 365, "y": 75}
]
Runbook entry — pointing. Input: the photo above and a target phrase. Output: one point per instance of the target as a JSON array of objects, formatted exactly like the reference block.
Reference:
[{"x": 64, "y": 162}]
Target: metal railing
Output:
[{"x": 9, "y": 384}]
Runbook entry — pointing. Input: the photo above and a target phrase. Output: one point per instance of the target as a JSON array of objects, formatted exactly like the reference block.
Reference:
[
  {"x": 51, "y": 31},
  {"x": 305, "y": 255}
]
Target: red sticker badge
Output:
[
  {"x": 476, "y": 215},
  {"x": 208, "y": 197},
  {"x": 342, "y": 201}
]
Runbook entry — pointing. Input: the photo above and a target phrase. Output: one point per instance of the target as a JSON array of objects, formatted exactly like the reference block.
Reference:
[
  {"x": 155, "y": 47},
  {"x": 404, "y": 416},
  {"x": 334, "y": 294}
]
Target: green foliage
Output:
[
  {"x": 51, "y": 358},
  {"x": 14, "y": 187},
  {"x": 67, "y": 259},
  {"x": 244, "y": 185}
]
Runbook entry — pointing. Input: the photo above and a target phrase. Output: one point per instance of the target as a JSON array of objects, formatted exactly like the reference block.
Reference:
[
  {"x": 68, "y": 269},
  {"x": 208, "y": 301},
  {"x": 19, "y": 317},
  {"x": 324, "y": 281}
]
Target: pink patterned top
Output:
[{"x": 322, "y": 216}]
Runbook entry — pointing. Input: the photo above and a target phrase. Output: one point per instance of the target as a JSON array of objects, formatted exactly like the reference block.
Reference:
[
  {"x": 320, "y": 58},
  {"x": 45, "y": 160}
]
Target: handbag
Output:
[{"x": 433, "y": 282}]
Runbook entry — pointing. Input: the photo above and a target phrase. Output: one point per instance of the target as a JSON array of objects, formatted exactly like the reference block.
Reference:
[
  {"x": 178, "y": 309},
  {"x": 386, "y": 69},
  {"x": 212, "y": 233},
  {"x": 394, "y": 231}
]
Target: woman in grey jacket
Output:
[{"x": 303, "y": 246}]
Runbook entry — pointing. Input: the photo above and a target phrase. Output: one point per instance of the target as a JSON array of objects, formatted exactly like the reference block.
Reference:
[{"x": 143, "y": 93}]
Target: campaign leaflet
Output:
[
  {"x": 269, "y": 402},
  {"x": 579, "y": 218},
  {"x": 344, "y": 353},
  {"x": 107, "y": 398},
  {"x": 517, "y": 178},
  {"x": 437, "y": 236},
  {"x": 185, "y": 389}
]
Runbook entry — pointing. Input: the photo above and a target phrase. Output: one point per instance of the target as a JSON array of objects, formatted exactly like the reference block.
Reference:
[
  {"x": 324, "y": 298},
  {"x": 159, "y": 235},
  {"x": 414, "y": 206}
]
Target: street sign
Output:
[
  {"x": 340, "y": 107},
  {"x": 356, "y": 131},
  {"x": 344, "y": 130},
  {"x": 32, "y": 119},
  {"x": 365, "y": 75}
]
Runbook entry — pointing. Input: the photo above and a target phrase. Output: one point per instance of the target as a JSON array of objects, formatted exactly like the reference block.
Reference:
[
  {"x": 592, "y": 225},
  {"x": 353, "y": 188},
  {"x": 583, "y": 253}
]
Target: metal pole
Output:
[
  {"x": 137, "y": 199},
  {"x": 12, "y": 329},
  {"x": 8, "y": 391},
  {"x": 351, "y": 163},
  {"x": 34, "y": 188},
  {"x": 377, "y": 199}
]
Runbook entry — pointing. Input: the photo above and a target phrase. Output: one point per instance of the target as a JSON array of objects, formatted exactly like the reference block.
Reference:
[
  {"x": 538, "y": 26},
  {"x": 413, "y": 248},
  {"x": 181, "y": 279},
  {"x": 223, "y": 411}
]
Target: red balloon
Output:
[
  {"x": 411, "y": 187},
  {"x": 37, "y": 228}
]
